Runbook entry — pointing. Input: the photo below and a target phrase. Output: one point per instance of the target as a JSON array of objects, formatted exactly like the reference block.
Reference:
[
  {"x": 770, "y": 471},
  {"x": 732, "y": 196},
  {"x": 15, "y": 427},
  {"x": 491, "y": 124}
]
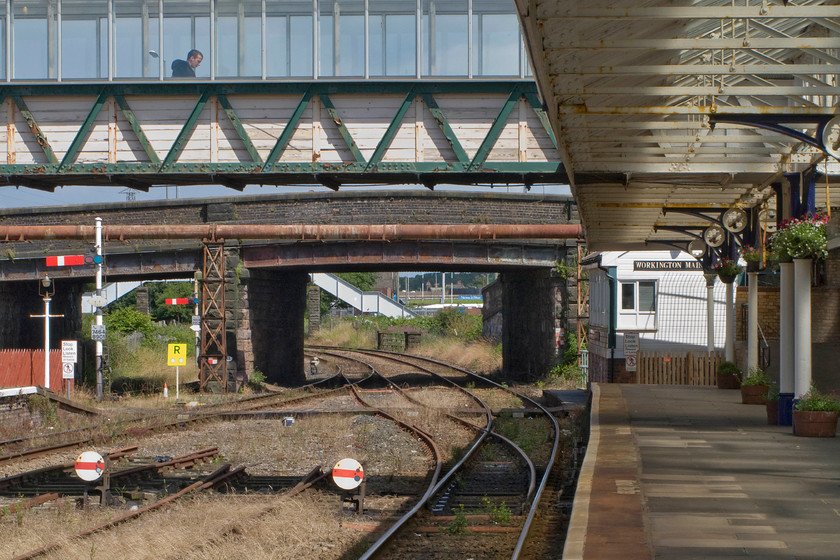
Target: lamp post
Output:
[
  {"x": 46, "y": 289},
  {"x": 49, "y": 290}
]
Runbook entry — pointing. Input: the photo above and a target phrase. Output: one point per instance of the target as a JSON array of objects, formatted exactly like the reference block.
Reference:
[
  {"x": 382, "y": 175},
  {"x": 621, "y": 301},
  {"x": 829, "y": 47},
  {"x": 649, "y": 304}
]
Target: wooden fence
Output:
[
  {"x": 25, "y": 368},
  {"x": 678, "y": 368}
]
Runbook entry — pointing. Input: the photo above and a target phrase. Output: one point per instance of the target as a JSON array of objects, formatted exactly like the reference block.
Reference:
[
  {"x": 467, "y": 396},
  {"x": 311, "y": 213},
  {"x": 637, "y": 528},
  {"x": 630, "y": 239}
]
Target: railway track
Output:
[
  {"x": 492, "y": 489},
  {"x": 471, "y": 482}
]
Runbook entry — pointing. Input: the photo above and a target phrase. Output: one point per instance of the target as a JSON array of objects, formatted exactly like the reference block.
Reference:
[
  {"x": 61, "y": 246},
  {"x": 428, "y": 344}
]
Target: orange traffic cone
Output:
[{"x": 165, "y": 391}]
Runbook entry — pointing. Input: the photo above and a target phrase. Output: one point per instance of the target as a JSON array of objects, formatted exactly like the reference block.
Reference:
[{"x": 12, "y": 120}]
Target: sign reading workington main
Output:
[{"x": 662, "y": 266}]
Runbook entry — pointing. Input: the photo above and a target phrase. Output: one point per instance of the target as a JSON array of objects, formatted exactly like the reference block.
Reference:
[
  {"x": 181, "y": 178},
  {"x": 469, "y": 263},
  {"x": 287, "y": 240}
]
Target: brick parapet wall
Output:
[{"x": 825, "y": 313}]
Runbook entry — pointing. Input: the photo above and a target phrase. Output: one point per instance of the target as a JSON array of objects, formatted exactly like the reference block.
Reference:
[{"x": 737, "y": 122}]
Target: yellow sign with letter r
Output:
[{"x": 176, "y": 355}]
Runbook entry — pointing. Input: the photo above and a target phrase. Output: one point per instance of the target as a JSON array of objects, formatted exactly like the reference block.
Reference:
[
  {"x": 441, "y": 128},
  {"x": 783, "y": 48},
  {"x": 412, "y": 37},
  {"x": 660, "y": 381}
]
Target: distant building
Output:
[{"x": 659, "y": 294}]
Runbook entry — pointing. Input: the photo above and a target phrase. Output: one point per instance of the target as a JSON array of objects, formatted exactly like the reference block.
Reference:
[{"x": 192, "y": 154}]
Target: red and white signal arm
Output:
[
  {"x": 66, "y": 260},
  {"x": 90, "y": 465},
  {"x": 348, "y": 474}
]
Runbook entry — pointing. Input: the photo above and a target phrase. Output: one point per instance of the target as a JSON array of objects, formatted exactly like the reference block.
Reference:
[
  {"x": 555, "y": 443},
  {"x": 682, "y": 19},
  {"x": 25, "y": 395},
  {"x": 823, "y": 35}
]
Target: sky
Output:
[{"x": 13, "y": 197}]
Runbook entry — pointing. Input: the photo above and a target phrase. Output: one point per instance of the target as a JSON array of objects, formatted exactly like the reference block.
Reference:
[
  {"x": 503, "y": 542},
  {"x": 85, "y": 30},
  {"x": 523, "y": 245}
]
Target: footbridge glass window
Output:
[
  {"x": 238, "y": 38},
  {"x": 342, "y": 46},
  {"x": 3, "y": 51},
  {"x": 186, "y": 26},
  {"x": 106, "y": 40},
  {"x": 497, "y": 47},
  {"x": 84, "y": 39},
  {"x": 289, "y": 46},
  {"x": 34, "y": 34},
  {"x": 137, "y": 39},
  {"x": 446, "y": 38}
]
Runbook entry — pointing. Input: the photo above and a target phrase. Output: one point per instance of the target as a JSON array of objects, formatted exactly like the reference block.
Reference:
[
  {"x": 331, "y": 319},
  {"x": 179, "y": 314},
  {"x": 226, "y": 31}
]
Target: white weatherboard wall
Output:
[
  {"x": 680, "y": 318},
  {"x": 366, "y": 302}
]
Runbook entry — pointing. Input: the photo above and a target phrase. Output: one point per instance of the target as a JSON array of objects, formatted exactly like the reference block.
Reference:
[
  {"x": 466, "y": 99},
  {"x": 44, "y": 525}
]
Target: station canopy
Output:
[{"x": 662, "y": 106}]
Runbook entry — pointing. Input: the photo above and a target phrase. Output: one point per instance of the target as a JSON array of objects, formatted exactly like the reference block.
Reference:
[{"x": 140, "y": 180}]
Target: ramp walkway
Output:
[
  {"x": 690, "y": 473},
  {"x": 366, "y": 302}
]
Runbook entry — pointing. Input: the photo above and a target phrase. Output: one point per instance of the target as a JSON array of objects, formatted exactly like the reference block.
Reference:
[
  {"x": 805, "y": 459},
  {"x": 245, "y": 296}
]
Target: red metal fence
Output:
[{"x": 24, "y": 368}]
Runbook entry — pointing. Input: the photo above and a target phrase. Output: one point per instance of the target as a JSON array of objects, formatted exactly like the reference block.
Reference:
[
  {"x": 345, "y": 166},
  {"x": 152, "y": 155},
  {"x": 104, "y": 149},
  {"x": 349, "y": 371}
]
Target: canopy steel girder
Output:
[
  {"x": 680, "y": 104},
  {"x": 58, "y": 169}
]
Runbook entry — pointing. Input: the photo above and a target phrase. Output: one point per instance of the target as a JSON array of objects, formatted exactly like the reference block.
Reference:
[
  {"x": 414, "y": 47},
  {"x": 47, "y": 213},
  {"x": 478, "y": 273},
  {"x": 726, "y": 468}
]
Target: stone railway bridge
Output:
[{"x": 265, "y": 283}]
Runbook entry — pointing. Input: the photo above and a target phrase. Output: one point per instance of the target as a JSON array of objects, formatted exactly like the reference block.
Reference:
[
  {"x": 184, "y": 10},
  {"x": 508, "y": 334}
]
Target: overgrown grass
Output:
[{"x": 448, "y": 336}]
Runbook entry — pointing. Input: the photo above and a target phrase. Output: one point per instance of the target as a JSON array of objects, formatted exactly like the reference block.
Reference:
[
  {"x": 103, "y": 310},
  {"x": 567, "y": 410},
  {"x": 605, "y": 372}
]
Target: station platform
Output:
[{"x": 690, "y": 473}]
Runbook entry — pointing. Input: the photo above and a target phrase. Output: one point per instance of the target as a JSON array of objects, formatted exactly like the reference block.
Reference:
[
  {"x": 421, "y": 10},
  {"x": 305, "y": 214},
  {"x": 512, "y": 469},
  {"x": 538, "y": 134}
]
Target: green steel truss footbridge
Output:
[{"x": 281, "y": 133}]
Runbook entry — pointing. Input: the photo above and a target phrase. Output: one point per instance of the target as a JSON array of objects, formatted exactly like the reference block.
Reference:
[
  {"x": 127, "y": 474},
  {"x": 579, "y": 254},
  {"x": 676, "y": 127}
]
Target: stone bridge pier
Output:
[
  {"x": 528, "y": 323},
  {"x": 269, "y": 334}
]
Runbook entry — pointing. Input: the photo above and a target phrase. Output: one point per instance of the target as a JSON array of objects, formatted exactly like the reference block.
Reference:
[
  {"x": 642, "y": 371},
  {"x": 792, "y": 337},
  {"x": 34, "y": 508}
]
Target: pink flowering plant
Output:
[
  {"x": 814, "y": 400},
  {"x": 727, "y": 267},
  {"x": 750, "y": 253},
  {"x": 801, "y": 238}
]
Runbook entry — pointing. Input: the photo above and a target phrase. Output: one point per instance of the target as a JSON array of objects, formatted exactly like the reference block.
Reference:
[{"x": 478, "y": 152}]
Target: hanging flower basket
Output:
[
  {"x": 753, "y": 257},
  {"x": 727, "y": 270},
  {"x": 801, "y": 238}
]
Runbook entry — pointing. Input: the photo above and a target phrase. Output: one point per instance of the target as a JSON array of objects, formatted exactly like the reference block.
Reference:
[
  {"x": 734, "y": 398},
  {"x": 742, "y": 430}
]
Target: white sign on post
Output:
[
  {"x": 69, "y": 352},
  {"x": 97, "y": 332},
  {"x": 68, "y": 370},
  {"x": 631, "y": 343},
  {"x": 631, "y": 349}
]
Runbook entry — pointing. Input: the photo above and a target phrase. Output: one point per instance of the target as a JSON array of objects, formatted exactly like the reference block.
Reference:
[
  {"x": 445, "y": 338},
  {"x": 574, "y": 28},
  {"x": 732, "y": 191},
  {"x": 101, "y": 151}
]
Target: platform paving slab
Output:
[{"x": 678, "y": 473}]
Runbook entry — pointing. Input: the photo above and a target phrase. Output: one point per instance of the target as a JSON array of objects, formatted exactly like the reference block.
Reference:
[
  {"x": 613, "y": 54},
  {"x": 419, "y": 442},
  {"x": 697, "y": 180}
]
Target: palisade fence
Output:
[
  {"x": 678, "y": 368},
  {"x": 25, "y": 368}
]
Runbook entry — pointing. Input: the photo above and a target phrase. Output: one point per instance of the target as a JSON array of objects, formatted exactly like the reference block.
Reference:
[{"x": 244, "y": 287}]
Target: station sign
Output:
[{"x": 662, "y": 266}]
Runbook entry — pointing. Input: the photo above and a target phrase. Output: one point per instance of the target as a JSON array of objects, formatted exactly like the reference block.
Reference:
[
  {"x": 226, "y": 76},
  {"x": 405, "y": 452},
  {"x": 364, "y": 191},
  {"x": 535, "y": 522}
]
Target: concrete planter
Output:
[
  {"x": 754, "y": 394},
  {"x": 814, "y": 423}
]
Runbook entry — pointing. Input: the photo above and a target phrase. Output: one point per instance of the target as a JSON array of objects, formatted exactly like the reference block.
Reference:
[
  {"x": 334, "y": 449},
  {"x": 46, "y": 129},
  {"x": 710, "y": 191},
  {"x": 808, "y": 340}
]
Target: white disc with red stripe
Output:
[
  {"x": 90, "y": 465},
  {"x": 348, "y": 474}
]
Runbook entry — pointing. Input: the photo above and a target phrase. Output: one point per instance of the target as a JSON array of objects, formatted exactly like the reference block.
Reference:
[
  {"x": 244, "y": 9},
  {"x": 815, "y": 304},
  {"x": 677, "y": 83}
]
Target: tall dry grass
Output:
[
  {"x": 204, "y": 527},
  {"x": 479, "y": 356},
  {"x": 348, "y": 334}
]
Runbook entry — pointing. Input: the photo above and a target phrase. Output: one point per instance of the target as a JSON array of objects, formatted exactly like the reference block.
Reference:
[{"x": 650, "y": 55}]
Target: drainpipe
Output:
[{"x": 611, "y": 334}]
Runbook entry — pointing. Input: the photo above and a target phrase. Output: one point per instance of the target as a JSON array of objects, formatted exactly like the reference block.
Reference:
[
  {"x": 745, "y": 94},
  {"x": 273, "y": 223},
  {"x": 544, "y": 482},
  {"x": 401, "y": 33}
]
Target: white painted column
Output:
[
  {"x": 98, "y": 313},
  {"x": 786, "y": 353},
  {"x": 710, "y": 312},
  {"x": 752, "y": 320},
  {"x": 729, "y": 348},
  {"x": 47, "y": 300},
  {"x": 802, "y": 325}
]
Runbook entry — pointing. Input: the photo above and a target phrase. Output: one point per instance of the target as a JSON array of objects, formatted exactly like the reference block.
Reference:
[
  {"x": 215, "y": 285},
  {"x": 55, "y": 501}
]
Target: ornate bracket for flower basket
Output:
[{"x": 826, "y": 126}]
